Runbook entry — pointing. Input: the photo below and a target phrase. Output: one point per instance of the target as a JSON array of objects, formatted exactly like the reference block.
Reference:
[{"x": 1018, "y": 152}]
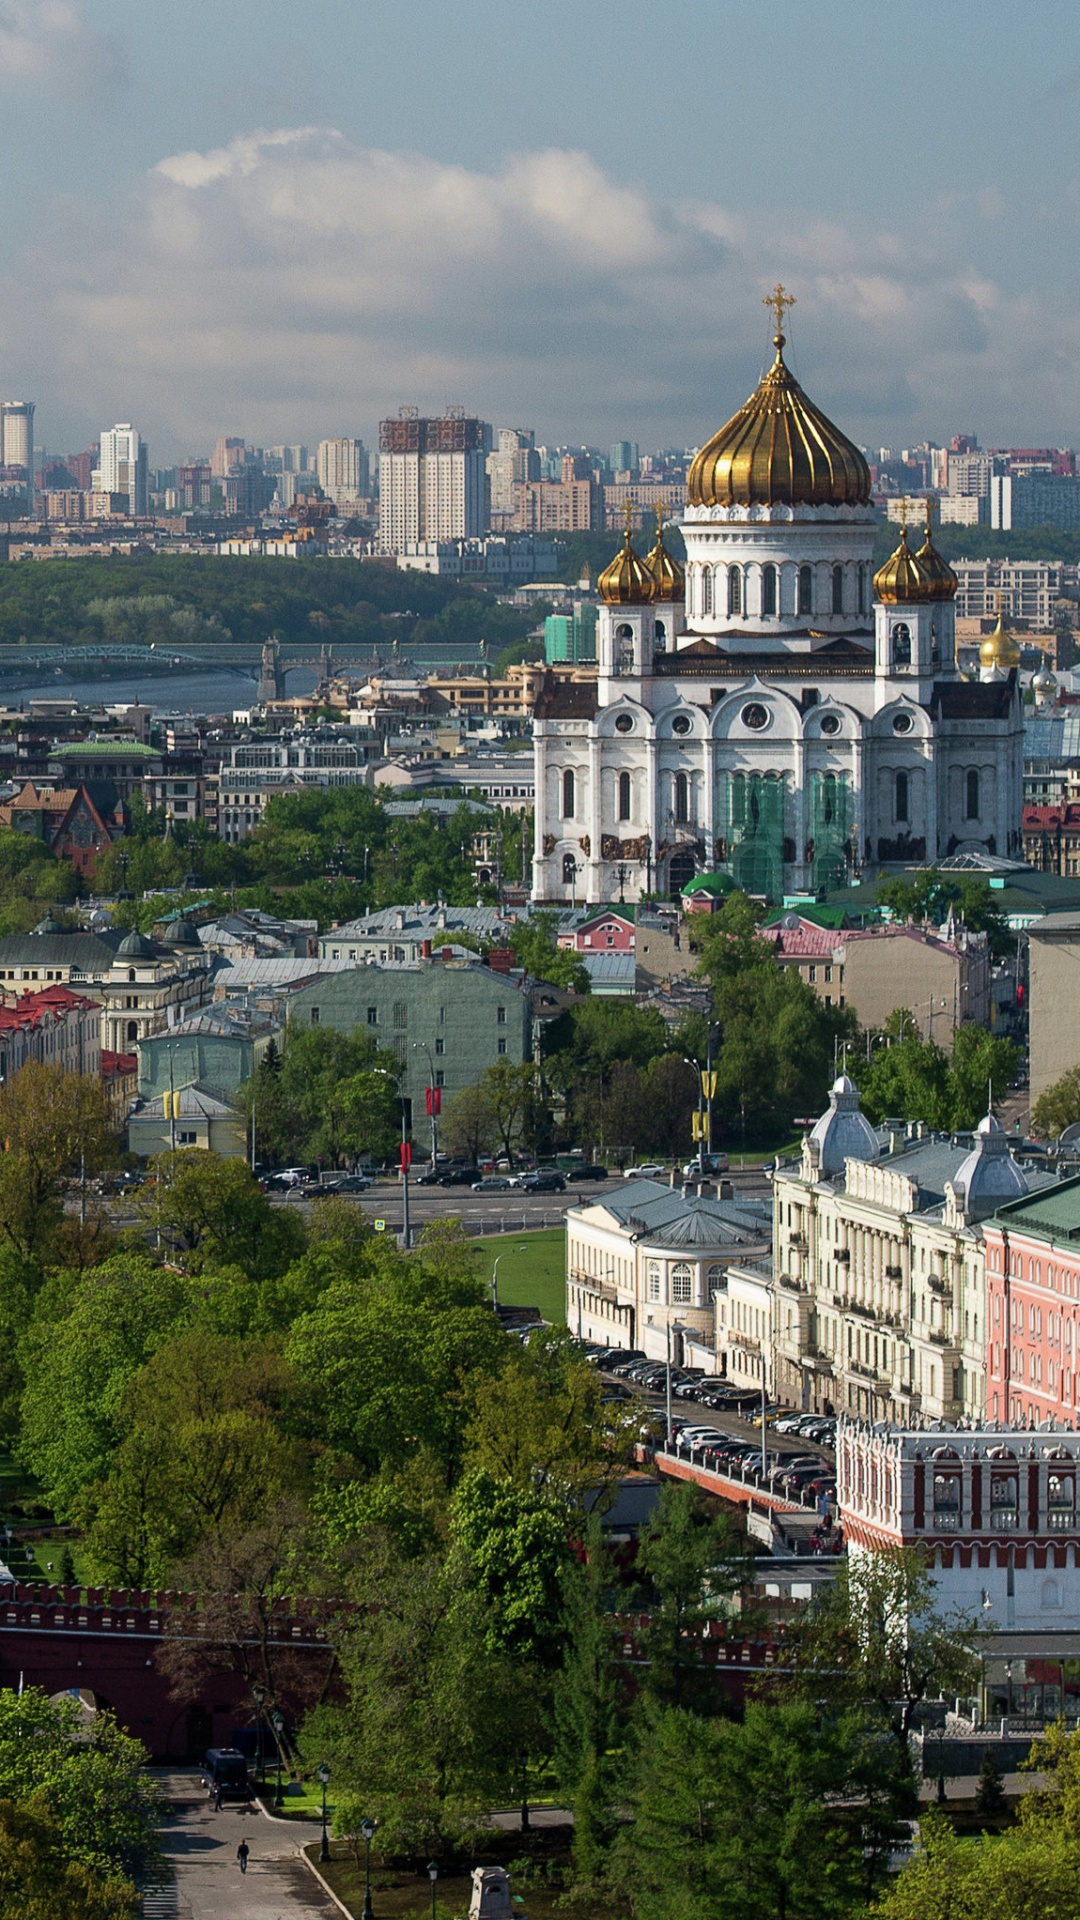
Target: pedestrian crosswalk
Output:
[{"x": 164, "y": 1903}]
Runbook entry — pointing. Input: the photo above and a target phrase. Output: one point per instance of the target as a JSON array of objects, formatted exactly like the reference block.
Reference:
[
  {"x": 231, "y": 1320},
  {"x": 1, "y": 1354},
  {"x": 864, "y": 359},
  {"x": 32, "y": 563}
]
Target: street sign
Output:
[{"x": 380, "y": 1226}]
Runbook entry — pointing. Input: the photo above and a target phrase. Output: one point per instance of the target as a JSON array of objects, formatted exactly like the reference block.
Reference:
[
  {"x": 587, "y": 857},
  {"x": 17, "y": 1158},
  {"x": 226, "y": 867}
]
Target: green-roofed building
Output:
[{"x": 707, "y": 892}]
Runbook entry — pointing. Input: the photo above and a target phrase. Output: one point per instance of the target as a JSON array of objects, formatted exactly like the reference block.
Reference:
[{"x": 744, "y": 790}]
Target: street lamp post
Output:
[
  {"x": 422, "y": 1047},
  {"x": 258, "y": 1695},
  {"x": 433, "y": 1874},
  {"x": 695, "y": 1065},
  {"x": 324, "y": 1844},
  {"x": 406, "y": 1237},
  {"x": 367, "y": 1829},
  {"x": 278, "y": 1723},
  {"x": 673, "y": 1326}
]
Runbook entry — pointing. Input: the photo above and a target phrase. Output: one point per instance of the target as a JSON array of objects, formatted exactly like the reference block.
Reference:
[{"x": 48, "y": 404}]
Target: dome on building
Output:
[
  {"x": 779, "y": 450},
  {"x": 903, "y": 578},
  {"x": 183, "y": 934},
  {"x": 943, "y": 581},
  {"x": 989, "y": 1175},
  {"x": 135, "y": 946},
  {"x": 843, "y": 1132},
  {"x": 48, "y": 926},
  {"x": 627, "y": 581},
  {"x": 669, "y": 576},
  {"x": 999, "y": 649},
  {"x": 1045, "y": 681}
]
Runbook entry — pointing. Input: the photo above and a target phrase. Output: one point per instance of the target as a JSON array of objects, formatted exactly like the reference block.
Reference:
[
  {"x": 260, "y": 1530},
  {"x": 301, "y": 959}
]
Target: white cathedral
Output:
[{"x": 774, "y": 713}]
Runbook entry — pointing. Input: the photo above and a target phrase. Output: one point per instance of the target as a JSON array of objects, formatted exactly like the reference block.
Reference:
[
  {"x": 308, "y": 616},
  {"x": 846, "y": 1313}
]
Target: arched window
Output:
[
  {"x": 838, "y": 589},
  {"x": 706, "y": 590},
  {"x": 901, "y": 644},
  {"x": 568, "y": 794},
  {"x": 660, "y": 637},
  {"x": 654, "y": 1280},
  {"x": 902, "y": 812},
  {"x": 971, "y": 810},
  {"x": 624, "y": 796},
  {"x": 682, "y": 797},
  {"x": 624, "y": 648},
  {"x": 862, "y": 588},
  {"x": 131, "y": 973},
  {"x": 768, "y": 590},
  {"x": 734, "y": 590},
  {"x": 569, "y": 869},
  {"x": 806, "y": 590},
  {"x": 682, "y": 1284},
  {"x": 132, "y": 1029}
]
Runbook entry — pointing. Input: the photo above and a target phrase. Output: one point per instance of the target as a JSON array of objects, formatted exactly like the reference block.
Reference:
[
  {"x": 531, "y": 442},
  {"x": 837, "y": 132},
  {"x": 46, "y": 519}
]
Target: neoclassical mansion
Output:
[{"x": 774, "y": 711}]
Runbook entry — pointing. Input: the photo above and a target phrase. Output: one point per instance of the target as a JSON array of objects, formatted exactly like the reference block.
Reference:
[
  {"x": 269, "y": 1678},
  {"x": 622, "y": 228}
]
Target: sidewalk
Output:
[{"x": 200, "y": 1845}]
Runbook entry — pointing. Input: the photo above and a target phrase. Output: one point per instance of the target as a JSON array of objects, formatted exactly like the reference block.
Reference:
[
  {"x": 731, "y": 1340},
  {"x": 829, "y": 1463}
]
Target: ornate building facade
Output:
[{"x": 773, "y": 709}]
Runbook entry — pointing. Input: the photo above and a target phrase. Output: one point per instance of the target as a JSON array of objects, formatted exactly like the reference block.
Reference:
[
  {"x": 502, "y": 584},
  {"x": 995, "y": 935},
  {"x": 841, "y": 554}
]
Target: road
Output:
[{"x": 200, "y": 1846}]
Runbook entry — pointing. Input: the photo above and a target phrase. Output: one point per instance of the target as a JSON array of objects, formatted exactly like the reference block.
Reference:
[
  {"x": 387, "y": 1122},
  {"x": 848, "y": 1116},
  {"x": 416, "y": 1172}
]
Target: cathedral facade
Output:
[{"x": 774, "y": 711}]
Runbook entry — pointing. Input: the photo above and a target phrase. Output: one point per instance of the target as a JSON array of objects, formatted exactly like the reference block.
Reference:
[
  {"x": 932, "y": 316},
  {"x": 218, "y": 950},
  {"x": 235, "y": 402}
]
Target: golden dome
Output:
[
  {"x": 903, "y": 578},
  {"x": 779, "y": 449},
  {"x": 943, "y": 581},
  {"x": 999, "y": 649},
  {"x": 627, "y": 581},
  {"x": 669, "y": 576}
]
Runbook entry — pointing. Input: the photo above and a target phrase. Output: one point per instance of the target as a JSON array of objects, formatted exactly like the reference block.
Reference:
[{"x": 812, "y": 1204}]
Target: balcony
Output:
[
  {"x": 894, "y": 1273},
  {"x": 800, "y": 1242},
  {"x": 842, "y": 1256},
  {"x": 1061, "y": 1519},
  {"x": 940, "y": 1339},
  {"x": 1003, "y": 1520},
  {"x": 947, "y": 1521},
  {"x": 937, "y": 1283},
  {"x": 860, "y": 1367}
]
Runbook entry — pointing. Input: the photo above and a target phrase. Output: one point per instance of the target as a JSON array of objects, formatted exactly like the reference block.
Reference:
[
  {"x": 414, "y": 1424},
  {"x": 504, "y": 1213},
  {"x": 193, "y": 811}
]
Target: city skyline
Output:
[{"x": 290, "y": 243}]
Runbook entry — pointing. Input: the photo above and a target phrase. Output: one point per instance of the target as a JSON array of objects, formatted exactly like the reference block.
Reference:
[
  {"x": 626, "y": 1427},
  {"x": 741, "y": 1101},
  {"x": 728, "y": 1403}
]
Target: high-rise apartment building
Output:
[
  {"x": 17, "y": 434},
  {"x": 122, "y": 466},
  {"x": 343, "y": 470},
  {"x": 623, "y": 456},
  {"x": 433, "y": 482},
  {"x": 228, "y": 453},
  {"x": 514, "y": 461}
]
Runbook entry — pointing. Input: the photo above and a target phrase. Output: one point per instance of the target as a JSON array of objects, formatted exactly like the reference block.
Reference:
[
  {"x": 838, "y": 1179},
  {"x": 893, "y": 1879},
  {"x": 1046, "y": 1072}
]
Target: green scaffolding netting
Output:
[
  {"x": 830, "y": 828},
  {"x": 752, "y": 824}
]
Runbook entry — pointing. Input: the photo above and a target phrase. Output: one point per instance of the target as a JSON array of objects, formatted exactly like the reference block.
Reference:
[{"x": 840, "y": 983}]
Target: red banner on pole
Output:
[
  {"x": 434, "y": 1102},
  {"x": 406, "y": 1155}
]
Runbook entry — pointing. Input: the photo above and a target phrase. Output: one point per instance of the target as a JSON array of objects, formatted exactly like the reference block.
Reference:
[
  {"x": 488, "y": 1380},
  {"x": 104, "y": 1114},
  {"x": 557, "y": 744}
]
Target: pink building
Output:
[
  {"x": 604, "y": 933},
  {"x": 1033, "y": 1307}
]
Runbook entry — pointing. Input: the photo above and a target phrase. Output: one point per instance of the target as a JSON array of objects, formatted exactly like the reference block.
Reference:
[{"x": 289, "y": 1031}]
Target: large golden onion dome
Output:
[
  {"x": 666, "y": 571},
  {"x": 903, "y": 578},
  {"x": 627, "y": 581},
  {"x": 999, "y": 649},
  {"x": 943, "y": 581},
  {"x": 779, "y": 449}
]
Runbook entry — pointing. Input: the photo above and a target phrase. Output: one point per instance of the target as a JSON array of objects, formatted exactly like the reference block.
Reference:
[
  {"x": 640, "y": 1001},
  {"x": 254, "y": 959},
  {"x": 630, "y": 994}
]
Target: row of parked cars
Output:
[
  {"x": 818, "y": 1427},
  {"x": 799, "y": 1475},
  {"x": 687, "y": 1383}
]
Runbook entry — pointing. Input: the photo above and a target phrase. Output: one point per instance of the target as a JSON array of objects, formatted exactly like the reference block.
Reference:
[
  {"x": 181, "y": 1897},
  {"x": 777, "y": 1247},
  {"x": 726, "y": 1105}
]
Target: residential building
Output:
[
  {"x": 54, "y": 1026},
  {"x": 599, "y": 933},
  {"x": 511, "y": 697},
  {"x": 775, "y": 709},
  {"x": 217, "y": 1049},
  {"x": 645, "y": 1262},
  {"x": 342, "y": 470},
  {"x": 467, "y": 1015},
  {"x": 557, "y": 506},
  {"x": 879, "y": 1266},
  {"x": 17, "y": 435},
  {"x": 1033, "y": 1308},
  {"x": 177, "y": 788},
  {"x": 643, "y": 497},
  {"x": 66, "y": 819},
  {"x": 412, "y": 933},
  {"x": 1053, "y": 970},
  {"x": 254, "y": 772},
  {"x": 228, "y": 453},
  {"x": 994, "y": 1510},
  {"x": 942, "y": 976},
  {"x": 1027, "y": 591},
  {"x": 1052, "y": 837},
  {"x": 1034, "y": 500},
  {"x": 113, "y": 771},
  {"x": 140, "y": 985},
  {"x": 433, "y": 482},
  {"x": 193, "y": 1117},
  {"x": 513, "y": 462},
  {"x": 571, "y": 637},
  {"x": 511, "y": 559},
  {"x": 122, "y": 467},
  {"x": 1051, "y": 758},
  {"x": 506, "y": 779}
]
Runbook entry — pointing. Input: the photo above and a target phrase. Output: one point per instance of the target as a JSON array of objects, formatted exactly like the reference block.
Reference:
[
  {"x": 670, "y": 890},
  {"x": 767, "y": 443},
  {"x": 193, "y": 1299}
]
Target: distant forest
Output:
[{"x": 171, "y": 599}]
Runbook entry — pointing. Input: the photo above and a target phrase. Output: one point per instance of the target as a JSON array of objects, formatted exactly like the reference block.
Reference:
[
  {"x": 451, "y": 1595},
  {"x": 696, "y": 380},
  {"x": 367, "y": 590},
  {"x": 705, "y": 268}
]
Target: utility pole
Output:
[{"x": 172, "y": 1106}]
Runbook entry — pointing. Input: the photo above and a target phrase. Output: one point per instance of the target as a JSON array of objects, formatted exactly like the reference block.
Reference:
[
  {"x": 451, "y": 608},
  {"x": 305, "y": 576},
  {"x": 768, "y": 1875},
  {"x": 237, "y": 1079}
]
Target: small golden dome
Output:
[
  {"x": 903, "y": 578},
  {"x": 669, "y": 576},
  {"x": 779, "y": 449},
  {"x": 627, "y": 581},
  {"x": 999, "y": 649},
  {"x": 943, "y": 581}
]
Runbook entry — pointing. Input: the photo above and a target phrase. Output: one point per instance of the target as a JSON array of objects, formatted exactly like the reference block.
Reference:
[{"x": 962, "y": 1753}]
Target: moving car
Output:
[
  {"x": 587, "y": 1173},
  {"x": 653, "y": 1171},
  {"x": 491, "y": 1183},
  {"x": 542, "y": 1183},
  {"x": 457, "y": 1177}
]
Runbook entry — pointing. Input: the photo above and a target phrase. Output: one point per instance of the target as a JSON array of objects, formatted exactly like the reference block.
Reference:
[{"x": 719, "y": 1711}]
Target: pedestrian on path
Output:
[{"x": 242, "y": 1852}]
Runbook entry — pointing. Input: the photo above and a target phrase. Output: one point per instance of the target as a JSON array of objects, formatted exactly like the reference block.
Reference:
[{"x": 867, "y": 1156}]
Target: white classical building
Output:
[{"x": 776, "y": 712}]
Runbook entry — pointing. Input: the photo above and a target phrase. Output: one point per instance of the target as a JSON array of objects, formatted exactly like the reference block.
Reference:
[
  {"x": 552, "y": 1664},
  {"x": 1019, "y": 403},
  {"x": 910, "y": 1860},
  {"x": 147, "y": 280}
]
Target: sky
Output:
[{"x": 286, "y": 218}]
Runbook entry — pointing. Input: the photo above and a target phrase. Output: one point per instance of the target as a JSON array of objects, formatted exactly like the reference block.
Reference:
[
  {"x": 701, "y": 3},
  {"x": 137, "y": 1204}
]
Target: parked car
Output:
[
  {"x": 587, "y": 1173},
  {"x": 432, "y": 1178},
  {"x": 710, "y": 1163},
  {"x": 353, "y": 1183},
  {"x": 651, "y": 1172},
  {"x": 492, "y": 1183},
  {"x": 225, "y": 1774},
  {"x": 625, "y": 1358}
]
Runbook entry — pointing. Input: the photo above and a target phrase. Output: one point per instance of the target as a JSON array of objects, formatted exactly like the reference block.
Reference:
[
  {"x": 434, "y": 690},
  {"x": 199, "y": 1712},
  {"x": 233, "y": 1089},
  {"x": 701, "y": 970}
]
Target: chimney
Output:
[
  {"x": 425, "y": 949},
  {"x": 447, "y": 953},
  {"x": 399, "y": 922}
]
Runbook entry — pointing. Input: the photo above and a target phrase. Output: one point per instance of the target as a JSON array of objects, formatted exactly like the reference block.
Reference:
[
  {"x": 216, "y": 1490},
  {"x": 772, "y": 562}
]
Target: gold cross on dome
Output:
[
  {"x": 628, "y": 519},
  {"x": 778, "y": 300},
  {"x": 660, "y": 511},
  {"x": 931, "y": 503},
  {"x": 903, "y": 512}
]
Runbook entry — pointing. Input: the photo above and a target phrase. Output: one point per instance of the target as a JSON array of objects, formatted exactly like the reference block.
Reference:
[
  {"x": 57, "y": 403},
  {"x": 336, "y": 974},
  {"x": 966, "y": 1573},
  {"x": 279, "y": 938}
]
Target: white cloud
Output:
[
  {"x": 48, "y": 44},
  {"x": 292, "y": 284}
]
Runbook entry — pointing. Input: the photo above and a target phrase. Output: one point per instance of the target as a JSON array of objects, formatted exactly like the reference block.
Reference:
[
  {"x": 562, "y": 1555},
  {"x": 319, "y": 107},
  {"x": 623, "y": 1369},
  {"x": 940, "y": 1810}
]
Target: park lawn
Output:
[{"x": 534, "y": 1277}]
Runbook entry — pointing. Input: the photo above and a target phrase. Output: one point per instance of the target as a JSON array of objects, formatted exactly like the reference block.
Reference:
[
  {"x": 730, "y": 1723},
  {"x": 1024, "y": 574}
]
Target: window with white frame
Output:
[
  {"x": 682, "y": 1284},
  {"x": 654, "y": 1280}
]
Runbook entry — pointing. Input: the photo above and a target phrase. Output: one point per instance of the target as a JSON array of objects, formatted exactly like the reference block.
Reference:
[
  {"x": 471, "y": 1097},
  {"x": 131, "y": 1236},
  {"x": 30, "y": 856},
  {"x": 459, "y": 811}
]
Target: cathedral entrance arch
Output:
[{"x": 682, "y": 867}]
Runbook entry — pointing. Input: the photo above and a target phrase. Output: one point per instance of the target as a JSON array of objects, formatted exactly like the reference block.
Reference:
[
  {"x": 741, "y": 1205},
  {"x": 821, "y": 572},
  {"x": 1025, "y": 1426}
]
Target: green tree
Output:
[
  {"x": 515, "y": 1550},
  {"x": 211, "y": 1212},
  {"x": 39, "y": 1880},
  {"x": 692, "y": 1562},
  {"x": 89, "y": 1778},
  {"x": 1012, "y": 1876},
  {"x": 1058, "y": 1107},
  {"x": 330, "y": 1097},
  {"x": 536, "y": 949},
  {"x": 990, "y": 1787},
  {"x": 53, "y": 1125},
  {"x": 540, "y": 1422},
  {"x": 917, "y": 1080},
  {"x": 469, "y": 1127},
  {"x": 590, "y": 1704}
]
